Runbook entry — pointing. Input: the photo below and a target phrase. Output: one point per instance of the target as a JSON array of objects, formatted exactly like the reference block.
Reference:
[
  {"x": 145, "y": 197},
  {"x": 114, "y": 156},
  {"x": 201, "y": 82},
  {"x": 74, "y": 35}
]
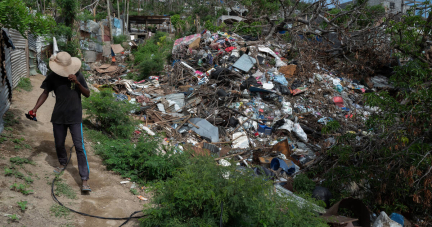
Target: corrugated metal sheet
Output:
[
  {"x": 4, "y": 102},
  {"x": 32, "y": 42},
  {"x": 18, "y": 40},
  {"x": 8, "y": 65},
  {"x": 19, "y": 65},
  {"x": 5, "y": 82}
]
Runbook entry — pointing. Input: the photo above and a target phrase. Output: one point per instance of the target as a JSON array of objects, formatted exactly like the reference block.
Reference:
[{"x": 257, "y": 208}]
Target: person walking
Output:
[{"x": 68, "y": 84}]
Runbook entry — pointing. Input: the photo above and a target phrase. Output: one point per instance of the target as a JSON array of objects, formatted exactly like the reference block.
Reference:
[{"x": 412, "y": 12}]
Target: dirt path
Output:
[{"x": 109, "y": 198}]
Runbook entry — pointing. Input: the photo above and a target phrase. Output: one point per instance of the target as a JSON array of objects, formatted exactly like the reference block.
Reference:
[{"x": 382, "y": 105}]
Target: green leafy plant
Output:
[
  {"x": 3, "y": 139},
  {"x": 8, "y": 172},
  {"x": 20, "y": 161},
  {"x": 21, "y": 188},
  {"x": 331, "y": 127},
  {"x": 195, "y": 194},
  {"x": 14, "y": 217},
  {"x": 302, "y": 184},
  {"x": 29, "y": 180},
  {"x": 17, "y": 147},
  {"x": 391, "y": 166},
  {"x": 16, "y": 15},
  {"x": 248, "y": 29},
  {"x": 14, "y": 172},
  {"x": 22, "y": 205},
  {"x": 134, "y": 191},
  {"x": 25, "y": 84},
  {"x": 59, "y": 211},
  {"x": 110, "y": 114}
]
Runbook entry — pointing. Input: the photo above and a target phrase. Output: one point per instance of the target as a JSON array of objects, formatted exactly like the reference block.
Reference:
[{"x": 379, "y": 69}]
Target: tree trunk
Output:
[
  {"x": 109, "y": 20},
  {"x": 94, "y": 11},
  {"x": 127, "y": 15},
  {"x": 118, "y": 9},
  {"x": 124, "y": 15}
]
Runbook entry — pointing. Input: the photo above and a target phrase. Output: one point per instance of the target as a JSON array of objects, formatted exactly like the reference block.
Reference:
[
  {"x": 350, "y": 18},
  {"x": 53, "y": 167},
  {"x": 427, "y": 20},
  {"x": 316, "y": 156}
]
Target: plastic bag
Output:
[
  {"x": 281, "y": 79},
  {"x": 286, "y": 108},
  {"x": 300, "y": 133}
]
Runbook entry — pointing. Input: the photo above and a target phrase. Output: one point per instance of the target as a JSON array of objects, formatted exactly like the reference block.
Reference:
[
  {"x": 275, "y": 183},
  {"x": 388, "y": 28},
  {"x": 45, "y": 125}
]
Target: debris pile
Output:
[{"x": 237, "y": 99}]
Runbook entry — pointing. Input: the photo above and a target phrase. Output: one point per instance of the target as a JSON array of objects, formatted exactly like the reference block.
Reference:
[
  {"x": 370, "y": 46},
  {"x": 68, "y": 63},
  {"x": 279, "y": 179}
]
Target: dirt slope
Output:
[{"x": 109, "y": 197}]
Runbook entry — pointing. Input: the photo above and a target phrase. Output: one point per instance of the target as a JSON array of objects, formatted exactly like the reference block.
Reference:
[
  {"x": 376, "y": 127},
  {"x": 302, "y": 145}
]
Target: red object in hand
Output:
[{"x": 31, "y": 113}]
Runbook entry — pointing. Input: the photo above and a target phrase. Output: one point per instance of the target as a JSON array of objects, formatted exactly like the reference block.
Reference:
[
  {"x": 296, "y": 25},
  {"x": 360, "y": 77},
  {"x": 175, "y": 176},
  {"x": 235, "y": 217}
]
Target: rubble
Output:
[{"x": 242, "y": 100}]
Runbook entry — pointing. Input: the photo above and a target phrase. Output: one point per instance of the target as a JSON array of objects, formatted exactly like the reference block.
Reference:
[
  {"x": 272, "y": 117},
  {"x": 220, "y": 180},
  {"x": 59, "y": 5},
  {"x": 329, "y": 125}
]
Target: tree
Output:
[
  {"x": 393, "y": 168},
  {"x": 14, "y": 14}
]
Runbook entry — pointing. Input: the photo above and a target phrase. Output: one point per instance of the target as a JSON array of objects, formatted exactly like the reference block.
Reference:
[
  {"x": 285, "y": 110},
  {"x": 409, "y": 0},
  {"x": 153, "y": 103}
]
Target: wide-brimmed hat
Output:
[{"x": 64, "y": 65}]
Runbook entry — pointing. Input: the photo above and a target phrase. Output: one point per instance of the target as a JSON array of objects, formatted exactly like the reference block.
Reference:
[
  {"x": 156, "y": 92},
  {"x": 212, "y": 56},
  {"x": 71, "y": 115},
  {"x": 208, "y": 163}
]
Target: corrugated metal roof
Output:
[{"x": 18, "y": 40}]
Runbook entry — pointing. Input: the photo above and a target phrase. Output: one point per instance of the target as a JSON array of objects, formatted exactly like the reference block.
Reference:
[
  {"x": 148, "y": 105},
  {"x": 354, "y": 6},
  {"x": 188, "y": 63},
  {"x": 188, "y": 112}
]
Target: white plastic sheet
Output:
[{"x": 300, "y": 133}]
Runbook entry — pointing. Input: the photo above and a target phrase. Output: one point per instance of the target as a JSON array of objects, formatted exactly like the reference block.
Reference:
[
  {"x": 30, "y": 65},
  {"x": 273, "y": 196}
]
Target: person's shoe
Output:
[
  {"x": 58, "y": 170},
  {"x": 86, "y": 188}
]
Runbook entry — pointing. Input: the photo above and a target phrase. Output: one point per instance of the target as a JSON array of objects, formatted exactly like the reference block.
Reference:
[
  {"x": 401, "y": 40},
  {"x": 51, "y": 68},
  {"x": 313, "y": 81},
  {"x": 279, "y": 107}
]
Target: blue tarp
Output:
[{"x": 117, "y": 23}]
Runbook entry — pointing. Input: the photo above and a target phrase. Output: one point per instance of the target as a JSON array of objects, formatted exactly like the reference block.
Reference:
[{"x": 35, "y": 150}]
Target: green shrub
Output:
[
  {"x": 141, "y": 162},
  {"x": 111, "y": 115},
  {"x": 302, "y": 184},
  {"x": 330, "y": 127},
  {"x": 195, "y": 194},
  {"x": 151, "y": 57},
  {"x": 120, "y": 39}
]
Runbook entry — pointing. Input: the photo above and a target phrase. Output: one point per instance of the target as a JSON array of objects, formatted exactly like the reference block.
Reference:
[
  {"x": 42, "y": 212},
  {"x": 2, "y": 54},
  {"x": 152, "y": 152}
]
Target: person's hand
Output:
[
  {"x": 33, "y": 111},
  {"x": 73, "y": 79}
]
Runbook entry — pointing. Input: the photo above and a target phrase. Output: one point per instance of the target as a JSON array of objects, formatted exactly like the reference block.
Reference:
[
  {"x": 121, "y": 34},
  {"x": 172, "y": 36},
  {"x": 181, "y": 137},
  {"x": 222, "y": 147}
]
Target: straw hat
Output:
[{"x": 64, "y": 65}]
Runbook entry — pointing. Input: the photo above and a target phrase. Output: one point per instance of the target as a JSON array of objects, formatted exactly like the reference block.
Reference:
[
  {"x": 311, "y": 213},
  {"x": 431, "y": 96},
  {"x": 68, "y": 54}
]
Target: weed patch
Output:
[
  {"x": 120, "y": 39},
  {"x": 142, "y": 161},
  {"x": 25, "y": 84},
  {"x": 63, "y": 189},
  {"x": 134, "y": 191},
  {"x": 2, "y": 140},
  {"x": 13, "y": 172},
  {"x": 21, "y": 188},
  {"x": 18, "y": 141},
  {"x": 9, "y": 119},
  {"x": 20, "y": 161},
  {"x": 28, "y": 180},
  {"x": 59, "y": 211}
]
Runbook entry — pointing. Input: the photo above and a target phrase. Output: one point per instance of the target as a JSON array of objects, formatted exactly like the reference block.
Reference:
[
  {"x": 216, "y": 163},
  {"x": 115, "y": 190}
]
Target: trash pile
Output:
[{"x": 237, "y": 98}]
